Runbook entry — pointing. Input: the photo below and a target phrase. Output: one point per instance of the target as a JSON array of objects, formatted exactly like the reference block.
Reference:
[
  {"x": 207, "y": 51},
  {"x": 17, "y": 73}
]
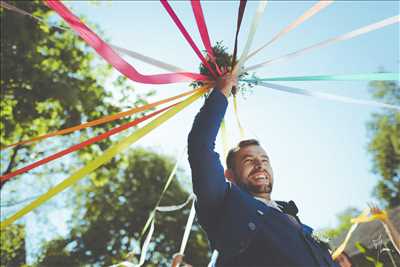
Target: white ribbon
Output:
[
  {"x": 360, "y": 31},
  {"x": 145, "y": 247},
  {"x": 213, "y": 259},
  {"x": 306, "y": 92},
  {"x": 130, "y": 53},
  {"x": 188, "y": 228},
  {"x": 25, "y": 13},
  {"x": 308, "y": 14},
  {"x": 176, "y": 207},
  {"x": 146, "y": 59},
  {"x": 250, "y": 37},
  {"x": 143, "y": 251}
]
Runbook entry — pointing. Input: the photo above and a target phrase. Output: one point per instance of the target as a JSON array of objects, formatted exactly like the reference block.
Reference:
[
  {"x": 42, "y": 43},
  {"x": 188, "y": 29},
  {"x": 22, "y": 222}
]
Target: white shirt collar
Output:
[{"x": 269, "y": 203}]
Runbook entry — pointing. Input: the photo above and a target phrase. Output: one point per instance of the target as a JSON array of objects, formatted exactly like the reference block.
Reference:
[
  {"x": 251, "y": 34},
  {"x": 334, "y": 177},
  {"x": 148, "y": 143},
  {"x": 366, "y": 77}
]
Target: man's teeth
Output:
[{"x": 261, "y": 177}]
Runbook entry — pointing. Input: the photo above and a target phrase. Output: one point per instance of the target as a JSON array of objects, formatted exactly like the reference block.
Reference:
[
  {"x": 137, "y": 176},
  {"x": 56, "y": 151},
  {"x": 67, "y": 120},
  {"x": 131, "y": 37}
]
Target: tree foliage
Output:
[
  {"x": 344, "y": 223},
  {"x": 114, "y": 208},
  {"x": 50, "y": 79},
  {"x": 12, "y": 246},
  {"x": 384, "y": 144}
]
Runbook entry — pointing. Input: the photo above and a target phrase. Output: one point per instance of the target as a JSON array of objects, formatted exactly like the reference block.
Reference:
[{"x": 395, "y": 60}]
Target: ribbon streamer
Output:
[
  {"x": 25, "y": 13},
  {"x": 146, "y": 246},
  {"x": 308, "y": 14},
  {"x": 242, "y": 7},
  {"x": 146, "y": 59},
  {"x": 185, "y": 34},
  {"x": 342, "y": 246},
  {"x": 213, "y": 260},
  {"x": 241, "y": 10},
  {"x": 363, "y": 218},
  {"x": 224, "y": 138},
  {"x": 347, "y": 36},
  {"x": 306, "y": 92},
  {"x": 250, "y": 37},
  {"x": 188, "y": 228},
  {"x": 237, "y": 117},
  {"x": 167, "y": 184},
  {"x": 81, "y": 145},
  {"x": 201, "y": 25},
  {"x": 103, "y": 119},
  {"x": 104, "y": 50},
  {"x": 348, "y": 77},
  {"x": 176, "y": 207},
  {"x": 105, "y": 157},
  {"x": 149, "y": 235}
]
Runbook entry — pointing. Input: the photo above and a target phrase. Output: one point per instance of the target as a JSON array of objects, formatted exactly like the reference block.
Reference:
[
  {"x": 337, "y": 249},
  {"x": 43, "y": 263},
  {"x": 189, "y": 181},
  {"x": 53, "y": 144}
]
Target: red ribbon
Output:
[
  {"x": 104, "y": 50},
  {"x": 188, "y": 38},
  {"x": 201, "y": 25},
  {"x": 82, "y": 145}
]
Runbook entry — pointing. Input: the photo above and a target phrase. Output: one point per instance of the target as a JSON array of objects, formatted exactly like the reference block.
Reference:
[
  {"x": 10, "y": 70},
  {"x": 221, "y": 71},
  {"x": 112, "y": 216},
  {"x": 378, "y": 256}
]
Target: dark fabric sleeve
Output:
[{"x": 209, "y": 183}]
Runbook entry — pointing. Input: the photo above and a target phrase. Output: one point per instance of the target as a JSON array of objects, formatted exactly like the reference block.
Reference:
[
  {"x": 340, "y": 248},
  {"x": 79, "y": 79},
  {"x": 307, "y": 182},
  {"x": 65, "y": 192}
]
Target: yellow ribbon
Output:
[
  {"x": 362, "y": 218},
  {"x": 224, "y": 138},
  {"x": 105, "y": 157},
  {"x": 237, "y": 117},
  {"x": 102, "y": 120},
  {"x": 382, "y": 216}
]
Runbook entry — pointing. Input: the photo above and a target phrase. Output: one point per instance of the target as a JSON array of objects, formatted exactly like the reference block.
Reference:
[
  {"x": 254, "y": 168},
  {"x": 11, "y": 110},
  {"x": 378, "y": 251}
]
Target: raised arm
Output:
[{"x": 209, "y": 183}]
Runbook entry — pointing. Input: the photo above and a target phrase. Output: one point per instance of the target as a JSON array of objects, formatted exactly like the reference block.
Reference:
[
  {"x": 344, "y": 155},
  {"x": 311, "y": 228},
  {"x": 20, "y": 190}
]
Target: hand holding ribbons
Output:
[
  {"x": 375, "y": 213},
  {"x": 225, "y": 83}
]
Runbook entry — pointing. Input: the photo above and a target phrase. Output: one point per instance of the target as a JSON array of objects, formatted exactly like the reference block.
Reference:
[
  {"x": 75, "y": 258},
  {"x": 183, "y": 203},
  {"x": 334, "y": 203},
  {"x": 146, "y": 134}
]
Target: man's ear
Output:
[{"x": 229, "y": 174}]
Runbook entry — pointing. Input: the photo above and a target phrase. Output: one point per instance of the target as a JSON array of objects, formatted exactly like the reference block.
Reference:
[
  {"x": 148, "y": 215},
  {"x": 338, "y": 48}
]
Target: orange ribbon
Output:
[{"x": 102, "y": 120}]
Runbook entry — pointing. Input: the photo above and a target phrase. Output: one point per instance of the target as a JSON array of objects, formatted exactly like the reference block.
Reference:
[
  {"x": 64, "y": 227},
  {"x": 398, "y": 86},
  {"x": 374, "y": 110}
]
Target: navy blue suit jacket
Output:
[{"x": 244, "y": 230}]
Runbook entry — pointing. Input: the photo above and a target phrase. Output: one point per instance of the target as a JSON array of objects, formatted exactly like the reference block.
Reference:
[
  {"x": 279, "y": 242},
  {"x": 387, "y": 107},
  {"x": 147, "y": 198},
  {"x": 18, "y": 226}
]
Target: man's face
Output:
[{"x": 253, "y": 169}]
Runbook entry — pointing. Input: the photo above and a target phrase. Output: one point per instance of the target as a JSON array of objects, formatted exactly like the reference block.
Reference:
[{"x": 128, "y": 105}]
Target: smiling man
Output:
[
  {"x": 241, "y": 220},
  {"x": 248, "y": 166}
]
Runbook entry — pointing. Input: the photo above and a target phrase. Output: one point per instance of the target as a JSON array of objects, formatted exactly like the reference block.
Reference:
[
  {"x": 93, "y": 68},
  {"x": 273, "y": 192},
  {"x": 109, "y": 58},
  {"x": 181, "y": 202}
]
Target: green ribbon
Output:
[{"x": 349, "y": 77}]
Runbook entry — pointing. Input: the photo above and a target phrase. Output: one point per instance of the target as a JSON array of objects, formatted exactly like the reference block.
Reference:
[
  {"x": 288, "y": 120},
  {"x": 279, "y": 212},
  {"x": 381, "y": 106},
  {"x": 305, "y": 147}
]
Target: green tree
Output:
[
  {"x": 344, "y": 223},
  {"x": 50, "y": 79},
  {"x": 384, "y": 143},
  {"x": 107, "y": 224},
  {"x": 12, "y": 246}
]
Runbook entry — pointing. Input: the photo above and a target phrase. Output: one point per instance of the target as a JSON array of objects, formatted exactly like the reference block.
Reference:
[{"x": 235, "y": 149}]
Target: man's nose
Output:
[{"x": 258, "y": 163}]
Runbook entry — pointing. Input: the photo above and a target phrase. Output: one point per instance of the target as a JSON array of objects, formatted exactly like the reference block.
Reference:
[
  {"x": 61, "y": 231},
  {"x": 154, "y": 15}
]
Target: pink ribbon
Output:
[
  {"x": 104, "y": 50},
  {"x": 201, "y": 25},
  {"x": 188, "y": 38}
]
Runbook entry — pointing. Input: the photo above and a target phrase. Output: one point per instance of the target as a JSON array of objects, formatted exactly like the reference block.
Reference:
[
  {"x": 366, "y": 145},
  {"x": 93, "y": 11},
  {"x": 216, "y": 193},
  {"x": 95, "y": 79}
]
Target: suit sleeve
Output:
[{"x": 209, "y": 183}]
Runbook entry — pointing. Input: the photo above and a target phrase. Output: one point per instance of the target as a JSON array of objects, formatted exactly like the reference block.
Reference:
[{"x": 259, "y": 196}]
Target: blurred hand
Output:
[
  {"x": 225, "y": 83},
  {"x": 177, "y": 260},
  {"x": 374, "y": 210}
]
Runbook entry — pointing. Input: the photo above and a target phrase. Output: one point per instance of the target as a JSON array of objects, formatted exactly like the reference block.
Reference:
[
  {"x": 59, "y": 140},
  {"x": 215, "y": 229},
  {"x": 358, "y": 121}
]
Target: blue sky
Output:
[{"x": 318, "y": 148}]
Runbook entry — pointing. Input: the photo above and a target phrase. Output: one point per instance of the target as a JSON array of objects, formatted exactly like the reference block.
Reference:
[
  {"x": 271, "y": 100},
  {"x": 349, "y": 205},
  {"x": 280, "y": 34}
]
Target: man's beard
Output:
[{"x": 257, "y": 189}]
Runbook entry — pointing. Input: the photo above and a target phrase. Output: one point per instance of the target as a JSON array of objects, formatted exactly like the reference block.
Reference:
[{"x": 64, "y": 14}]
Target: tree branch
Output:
[{"x": 12, "y": 161}]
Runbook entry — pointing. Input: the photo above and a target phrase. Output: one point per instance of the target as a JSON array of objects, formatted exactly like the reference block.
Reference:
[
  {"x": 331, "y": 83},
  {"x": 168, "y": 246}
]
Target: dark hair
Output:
[{"x": 230, "y": 159}]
